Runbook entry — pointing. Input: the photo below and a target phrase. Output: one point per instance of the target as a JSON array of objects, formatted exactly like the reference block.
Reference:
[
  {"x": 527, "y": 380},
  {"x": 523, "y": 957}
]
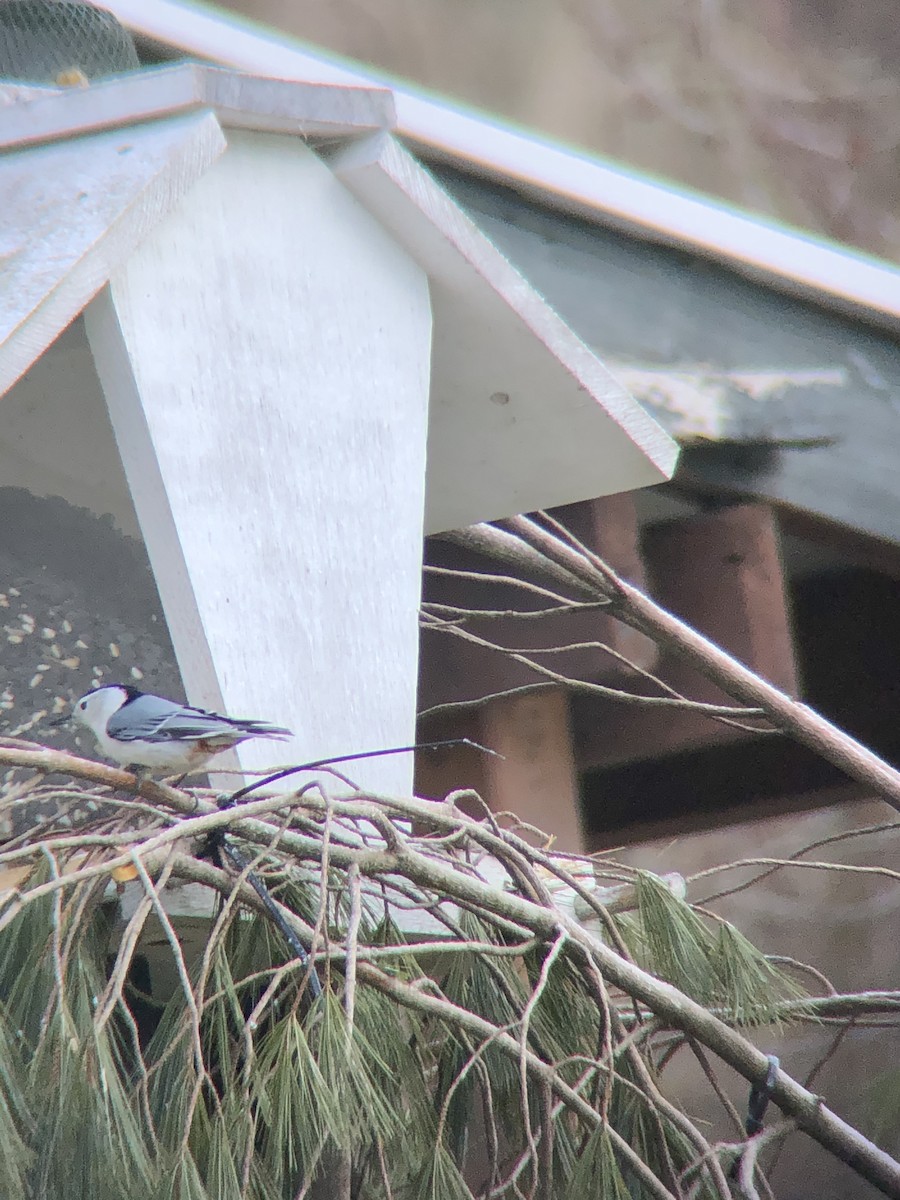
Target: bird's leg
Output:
[
  {"x": 178, "y": 782},
  {"x": 141, "y": 774}
]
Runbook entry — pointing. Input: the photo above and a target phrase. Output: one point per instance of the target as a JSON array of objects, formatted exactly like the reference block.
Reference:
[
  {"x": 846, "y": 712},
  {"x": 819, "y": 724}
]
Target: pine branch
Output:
[{"x": 429, "y": 869}]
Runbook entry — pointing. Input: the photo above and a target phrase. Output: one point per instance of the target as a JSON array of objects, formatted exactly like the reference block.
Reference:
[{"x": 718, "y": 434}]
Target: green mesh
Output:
[{"x": 41, "y": 40}]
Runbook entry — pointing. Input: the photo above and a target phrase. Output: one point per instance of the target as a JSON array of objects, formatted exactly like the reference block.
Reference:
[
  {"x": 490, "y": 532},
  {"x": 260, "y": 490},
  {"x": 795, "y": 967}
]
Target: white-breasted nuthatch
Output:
[{"x": 142, "y": 730}]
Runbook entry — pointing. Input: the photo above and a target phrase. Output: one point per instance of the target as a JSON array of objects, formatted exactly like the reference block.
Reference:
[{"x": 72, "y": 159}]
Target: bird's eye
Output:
[{"x": 82, "y": 704}]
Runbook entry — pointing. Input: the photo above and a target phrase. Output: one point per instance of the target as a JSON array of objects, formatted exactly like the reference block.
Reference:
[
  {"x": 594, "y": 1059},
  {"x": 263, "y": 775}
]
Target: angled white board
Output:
[
  {"x": 313, "y": 111},
  {"x": 74, "y": 210},
  {"x": 523, "y": 415},
  {"x": 792, "y": 260}
]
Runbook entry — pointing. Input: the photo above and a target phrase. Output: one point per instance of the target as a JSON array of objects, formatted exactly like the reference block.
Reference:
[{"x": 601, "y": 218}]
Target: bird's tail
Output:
[{"x": 262, "y": 729}]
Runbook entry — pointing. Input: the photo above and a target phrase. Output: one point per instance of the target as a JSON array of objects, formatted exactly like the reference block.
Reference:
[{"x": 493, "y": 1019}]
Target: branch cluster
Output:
[{"x": 473, "y": 1036}]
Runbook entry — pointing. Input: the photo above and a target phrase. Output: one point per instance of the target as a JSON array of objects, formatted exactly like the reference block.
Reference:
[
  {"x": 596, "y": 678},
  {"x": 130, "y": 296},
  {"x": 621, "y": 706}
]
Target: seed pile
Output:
[{"x": 78, "y": 606}]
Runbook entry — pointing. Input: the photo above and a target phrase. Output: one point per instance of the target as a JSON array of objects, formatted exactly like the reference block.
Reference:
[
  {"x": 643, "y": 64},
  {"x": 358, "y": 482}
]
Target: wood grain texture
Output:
[
  {"x": 523, "y": 415},
  {"x": 240, "y": 101},
  {"x": 266, "y": 360},
  {"x": 722, "y": 571},
  {"x": 536, "y": 778},
  {"x": 610, "y": 527},
  {"x": 73, "y": 212}
]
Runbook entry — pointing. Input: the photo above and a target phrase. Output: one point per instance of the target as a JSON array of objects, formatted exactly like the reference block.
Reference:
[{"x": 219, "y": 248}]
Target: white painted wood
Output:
[
  {"x": 233, "y": 39},
  {"x": 523, "y": 415},
  {"x": 265, "y": 356},
  {"x": 790, "y": 259},
  {"x": 12, "y": 92},
  {"x": 72, "y": 212},
  {"x": 312, "y": 111}
]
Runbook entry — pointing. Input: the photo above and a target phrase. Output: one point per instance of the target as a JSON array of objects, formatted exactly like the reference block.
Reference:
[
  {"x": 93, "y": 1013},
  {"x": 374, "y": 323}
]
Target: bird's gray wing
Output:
[{"x": 152, "y": 719}]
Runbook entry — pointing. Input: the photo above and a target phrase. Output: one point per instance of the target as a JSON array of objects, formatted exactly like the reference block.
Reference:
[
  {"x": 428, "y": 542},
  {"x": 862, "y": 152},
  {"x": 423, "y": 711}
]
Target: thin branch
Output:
[
  {"x": 630, "y": 605},
  {"x": 515, "y": 582},
  {"x": 667, "y": 1002},
  {"x": 586, "y": 686},
  {"x": 453, "y": 612}
]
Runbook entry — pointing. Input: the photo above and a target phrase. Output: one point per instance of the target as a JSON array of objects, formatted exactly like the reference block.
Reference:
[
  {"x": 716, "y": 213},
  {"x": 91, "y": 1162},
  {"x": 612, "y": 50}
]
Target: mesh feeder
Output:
[{"x": 61, "y": 43}]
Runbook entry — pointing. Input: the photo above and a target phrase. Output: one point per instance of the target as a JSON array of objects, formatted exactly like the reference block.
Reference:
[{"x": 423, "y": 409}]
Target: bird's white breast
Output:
[{"x": 171, "y": 757}]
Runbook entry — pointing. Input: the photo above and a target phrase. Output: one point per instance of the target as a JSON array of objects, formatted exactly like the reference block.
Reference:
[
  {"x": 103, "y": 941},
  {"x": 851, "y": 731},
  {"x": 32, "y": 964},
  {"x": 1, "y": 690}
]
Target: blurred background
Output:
[{"x": 786, "y": 107}]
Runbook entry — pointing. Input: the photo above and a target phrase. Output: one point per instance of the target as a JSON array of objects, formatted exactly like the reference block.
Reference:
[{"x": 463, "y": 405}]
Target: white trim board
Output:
[
  {"x": 265, "y": 357},
  {"x": 523, "y": 415},
  {"x": 74, "y": 210},
  {"x": 312, "y": 111}
]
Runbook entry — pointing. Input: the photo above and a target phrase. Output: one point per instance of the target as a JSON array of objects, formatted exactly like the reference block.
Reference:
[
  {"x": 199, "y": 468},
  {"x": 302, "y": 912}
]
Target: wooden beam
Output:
[
  {"x": 536, "y": 778},
  {"x": 453, "y": 768},
  {"x": 265, "y": 357},
  {"x": 609, "y": 526},
  {"x": 839, "y": 546},
  {"x": 683, "y": 820},
  {"x": 721, "y": 572},
  {"x": 852, "y": 482},
  {"x": 721, "y": 784}
]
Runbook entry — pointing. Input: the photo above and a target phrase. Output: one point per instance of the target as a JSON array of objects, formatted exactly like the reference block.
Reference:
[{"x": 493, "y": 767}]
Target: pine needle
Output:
[
  {"x": 718, "y": 966},
  {"x": 486, "y": 1056}
]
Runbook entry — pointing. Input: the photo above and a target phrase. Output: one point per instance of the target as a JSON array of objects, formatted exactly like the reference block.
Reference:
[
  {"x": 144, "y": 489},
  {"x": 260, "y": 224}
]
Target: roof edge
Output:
[
  {"x": 791, "y": 260},
  {"x": 34, "y": 115}
]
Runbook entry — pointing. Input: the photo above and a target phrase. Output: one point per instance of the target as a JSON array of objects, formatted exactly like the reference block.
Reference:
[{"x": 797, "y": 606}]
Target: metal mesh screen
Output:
[{"x": 56, "y": 41}]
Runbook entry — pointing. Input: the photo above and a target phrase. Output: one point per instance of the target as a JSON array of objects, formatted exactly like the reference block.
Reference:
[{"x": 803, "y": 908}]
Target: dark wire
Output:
[
  {"x": 227, "y": 801},
  {"x": 300, "y": 952},
  {"x": 760, "y": 1095}
]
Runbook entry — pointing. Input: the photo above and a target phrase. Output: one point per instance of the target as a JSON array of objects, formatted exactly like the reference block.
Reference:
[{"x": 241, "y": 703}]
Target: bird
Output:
[{"x": 139, "y": 730}]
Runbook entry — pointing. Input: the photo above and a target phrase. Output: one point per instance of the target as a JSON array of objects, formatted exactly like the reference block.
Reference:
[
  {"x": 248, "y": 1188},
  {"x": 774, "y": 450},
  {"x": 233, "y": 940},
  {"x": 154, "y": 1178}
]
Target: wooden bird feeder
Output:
[{"x": 241, "y": 318}]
